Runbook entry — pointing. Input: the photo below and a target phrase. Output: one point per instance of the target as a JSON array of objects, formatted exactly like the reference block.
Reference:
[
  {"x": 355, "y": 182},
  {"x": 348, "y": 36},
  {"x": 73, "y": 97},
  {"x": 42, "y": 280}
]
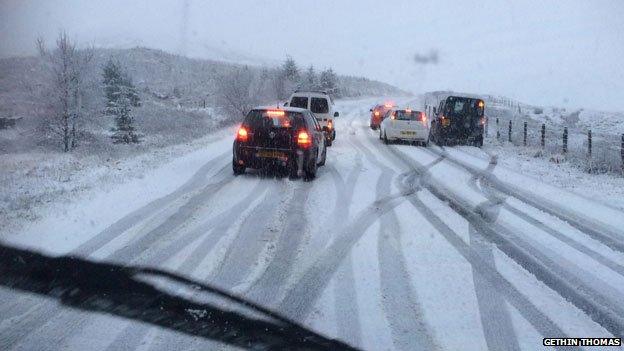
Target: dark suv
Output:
[
  {"x": 458, "y": 120},
  {"x": 289, "y": 137}
]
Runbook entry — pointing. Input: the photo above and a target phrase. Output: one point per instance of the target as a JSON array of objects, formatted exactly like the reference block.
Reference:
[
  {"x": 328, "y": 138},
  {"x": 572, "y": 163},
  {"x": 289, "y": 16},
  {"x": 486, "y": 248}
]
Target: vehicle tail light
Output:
[
  {"x": 242, "y": 134},
  {"x": 376, "y": 113},
  {"x": 330, "y": 124},
  {"x": 275, "y": 113},
  {"x": 303, "y": 139},
  {"x": 423, "y": 118},
  {"x": 482, "y": 121}
]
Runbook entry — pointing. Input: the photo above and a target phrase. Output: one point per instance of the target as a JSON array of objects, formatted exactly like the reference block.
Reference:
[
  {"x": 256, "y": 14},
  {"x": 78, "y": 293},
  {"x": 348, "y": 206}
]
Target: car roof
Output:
[
  {"x": 310, "y": 94},
  {"x": 284, "y": 108}
]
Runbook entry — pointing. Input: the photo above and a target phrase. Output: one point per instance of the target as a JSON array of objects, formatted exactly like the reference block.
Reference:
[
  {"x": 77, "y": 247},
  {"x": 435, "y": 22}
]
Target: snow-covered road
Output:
[{"x": 391, "y": 247}]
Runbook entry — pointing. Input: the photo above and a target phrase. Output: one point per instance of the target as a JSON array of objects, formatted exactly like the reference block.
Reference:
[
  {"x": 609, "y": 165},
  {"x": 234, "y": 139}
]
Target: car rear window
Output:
[
  {"x": 404, "y": 115},
  {"x": 259, "y": 119},
  {"x": 319, "y": 105},
  {"x": 299, "y": 101}
]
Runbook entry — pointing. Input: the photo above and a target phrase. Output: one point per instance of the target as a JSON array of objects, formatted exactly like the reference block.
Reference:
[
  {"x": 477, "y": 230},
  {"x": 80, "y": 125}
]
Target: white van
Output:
[{"x": 321, "y": 105}]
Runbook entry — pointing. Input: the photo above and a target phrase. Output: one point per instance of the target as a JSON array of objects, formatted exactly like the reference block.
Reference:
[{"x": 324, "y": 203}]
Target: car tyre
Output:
[
  {"x": 328, "y": 142},
  {"x": 385, "y": 139},
  {"x": 238, "y": 169},
  {"x": 322, "y": 163},
  {"x": 293, "y": 169},
  {"x": 310, "y": 170}
]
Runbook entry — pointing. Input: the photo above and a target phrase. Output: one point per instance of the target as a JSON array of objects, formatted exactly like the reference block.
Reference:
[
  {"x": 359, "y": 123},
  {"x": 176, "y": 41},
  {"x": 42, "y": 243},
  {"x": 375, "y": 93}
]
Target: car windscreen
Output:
[
  {"x": 265, "y": 119},
  {"x": 319, "y": 105},
  {"x": 407, "y": 115},
  {"x": 299, "y": 101}
]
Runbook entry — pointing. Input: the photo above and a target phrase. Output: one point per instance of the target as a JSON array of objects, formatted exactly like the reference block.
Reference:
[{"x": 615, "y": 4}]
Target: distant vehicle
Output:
[
  {"x": 458, "y": 120},
  {"x": 280, "y": 137},
  {"x": 321, "y": 104},
  {"x": 377, "y": 114},
  {"x": 404, "y": 124}
]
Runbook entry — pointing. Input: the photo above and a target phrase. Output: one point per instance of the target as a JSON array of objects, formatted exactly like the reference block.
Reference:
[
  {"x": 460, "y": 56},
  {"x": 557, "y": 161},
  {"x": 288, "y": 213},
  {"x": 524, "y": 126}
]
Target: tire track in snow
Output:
[
  {"x": 304, "y": 293},
  {"x": 214, "y": 229},
  {"x": 345, "y": 294},
  {"x": 67, "y": 319},
  {"x": 266, "y": 288},
  {"x": 495, "y": 318},
  {"x": 128, "y": 221},
  {"x": 252, "y": 237},
  {"x": 604, "y": 233},
  {"x": 527, "y": 309},
  {"x": 33, "y": 319},
  {"x": 595, "y": 304},
  {"x": 495, "y": 197},
  {"x": 409, "y": 329}
]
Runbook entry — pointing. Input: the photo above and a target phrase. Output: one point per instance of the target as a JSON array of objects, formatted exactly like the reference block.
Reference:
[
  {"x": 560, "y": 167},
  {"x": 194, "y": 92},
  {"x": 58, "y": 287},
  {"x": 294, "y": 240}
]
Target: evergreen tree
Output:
[
  {"x": 121, "y": 96},
  {"x": 290, "y": 70},
  {"x": 310, "y": 78},
  {"x": 328, "y": 80}
]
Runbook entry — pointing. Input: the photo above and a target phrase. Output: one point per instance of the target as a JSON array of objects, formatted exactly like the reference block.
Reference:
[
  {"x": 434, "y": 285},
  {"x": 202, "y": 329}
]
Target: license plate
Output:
[
  {"x": 271, "y": 154},
  {"x": 407, "y": 132},
  {"x": 446, "y": 122}
]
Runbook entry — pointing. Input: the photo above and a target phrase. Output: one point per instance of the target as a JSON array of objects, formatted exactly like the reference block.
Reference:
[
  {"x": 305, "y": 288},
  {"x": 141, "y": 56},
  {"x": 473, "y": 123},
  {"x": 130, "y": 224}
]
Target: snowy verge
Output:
[
  {"x": 606, "y": 188},
  {"x": 35, "y": 186}
]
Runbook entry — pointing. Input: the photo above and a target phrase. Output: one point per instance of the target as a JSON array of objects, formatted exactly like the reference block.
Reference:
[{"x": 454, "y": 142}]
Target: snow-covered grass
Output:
[
  {"x": 32, "y": 183},
  {"x": 607, "y": 188}
]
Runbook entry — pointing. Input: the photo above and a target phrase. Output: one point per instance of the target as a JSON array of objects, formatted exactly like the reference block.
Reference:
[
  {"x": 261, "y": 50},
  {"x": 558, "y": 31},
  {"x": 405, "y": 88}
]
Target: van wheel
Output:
[
  {"x": 380, "y": 134},
  {"x": 385, "y": 139},
  {"x": 328, "y": 142}
]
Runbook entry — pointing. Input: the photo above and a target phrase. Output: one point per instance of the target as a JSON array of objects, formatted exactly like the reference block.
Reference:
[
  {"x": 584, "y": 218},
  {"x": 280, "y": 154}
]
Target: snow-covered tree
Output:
[
  {"x": 328, "y": 80},
  {"x": 67, "y": 66},
  {"x": 310, "y": 80},
  {"x": 121, "y": 96},
  {"x": 290, "y": 70}
]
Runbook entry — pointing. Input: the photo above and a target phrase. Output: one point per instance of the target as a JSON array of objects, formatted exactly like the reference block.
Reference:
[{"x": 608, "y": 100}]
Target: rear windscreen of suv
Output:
[
  {"x": 460, "y": 107},
  {"x": 319, "y": 105},
  {"x": 264, "y": 119},
  {"x": 299, "y": 101}
]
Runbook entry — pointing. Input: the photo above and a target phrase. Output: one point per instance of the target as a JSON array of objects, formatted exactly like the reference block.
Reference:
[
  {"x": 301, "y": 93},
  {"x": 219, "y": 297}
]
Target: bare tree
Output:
[
  {"x": 67, "y": 66},
  {"x": 235, "y": 93}
]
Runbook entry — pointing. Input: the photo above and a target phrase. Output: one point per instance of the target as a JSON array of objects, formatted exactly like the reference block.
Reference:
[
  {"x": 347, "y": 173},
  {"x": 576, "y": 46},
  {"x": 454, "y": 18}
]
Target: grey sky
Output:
[{"x": 566, "y": 52}]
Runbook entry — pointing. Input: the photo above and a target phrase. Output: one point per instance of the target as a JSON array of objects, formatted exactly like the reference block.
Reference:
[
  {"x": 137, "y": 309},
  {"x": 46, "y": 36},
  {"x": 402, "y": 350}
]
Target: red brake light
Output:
[
  {"x": 423, "y": 118},
  {"x": 376, "y": 113},
  {"x": 273, "y": 113},
  {"x": 330, "y": 124},
  {"x": 303, "y": 139},
  {"x": 242, "y": 134}
]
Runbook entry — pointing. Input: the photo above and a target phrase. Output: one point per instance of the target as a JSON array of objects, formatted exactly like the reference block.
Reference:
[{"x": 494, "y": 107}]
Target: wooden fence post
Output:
[
  {"x": 497, "y": 130},
  {"x": 543, "y": 141},
  {"x": 565, "y": 140},
  {"x": 524, "y": 139},
  {"x": 509, "y": 133},
  {"x": 589, "y": 143}
]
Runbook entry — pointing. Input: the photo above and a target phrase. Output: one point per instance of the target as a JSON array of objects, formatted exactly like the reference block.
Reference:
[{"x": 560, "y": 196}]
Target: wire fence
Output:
[{"x": 593, "y": 152}]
